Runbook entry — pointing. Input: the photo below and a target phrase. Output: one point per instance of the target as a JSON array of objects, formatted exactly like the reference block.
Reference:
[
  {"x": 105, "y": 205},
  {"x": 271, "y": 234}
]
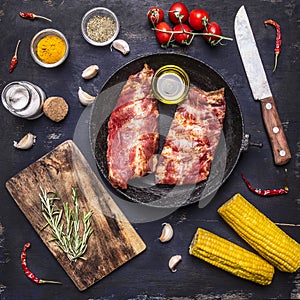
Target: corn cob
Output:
[
  {"x": 230, "y": 257},
  {"x": 261, "y": 233}
]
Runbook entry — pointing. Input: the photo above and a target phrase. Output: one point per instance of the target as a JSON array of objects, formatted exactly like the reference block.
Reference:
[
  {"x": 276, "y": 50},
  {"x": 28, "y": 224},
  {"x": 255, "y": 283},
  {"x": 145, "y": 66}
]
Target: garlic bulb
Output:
[
  {"x": 84, "y": 97},
  {"x": 90, "y": 72},
  {"x": 167, "y": 233},
  {"x": 174, "y": 261},
  {"x": 121, "y": 46},
  {"x": 26, "y": 142}
]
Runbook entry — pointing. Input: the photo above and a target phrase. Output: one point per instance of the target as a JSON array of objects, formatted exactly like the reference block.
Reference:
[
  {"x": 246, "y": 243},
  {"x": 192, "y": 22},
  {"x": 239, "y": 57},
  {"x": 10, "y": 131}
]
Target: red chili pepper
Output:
[
  {"x": 272, "y": 192},
  {"x": 32, "y": 16},
  {"x": 14, "y": 60},
  {"x": 278, "y": 40},
  {"x": 28, "y": 273}
]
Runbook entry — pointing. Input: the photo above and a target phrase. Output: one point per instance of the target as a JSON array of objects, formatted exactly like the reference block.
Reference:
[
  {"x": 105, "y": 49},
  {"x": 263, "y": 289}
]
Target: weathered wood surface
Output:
[{"x": 113, "y": 242}]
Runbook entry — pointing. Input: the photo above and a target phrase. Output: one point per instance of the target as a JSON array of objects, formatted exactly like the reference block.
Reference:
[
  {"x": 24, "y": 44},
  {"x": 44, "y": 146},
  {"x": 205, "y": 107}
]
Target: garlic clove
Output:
[
  {"x": 26, "y": 142},
  {"x": 121, "y": 46},
  {"x": 167, "y": 233},
  {"x": 85, "y": 98},
  {"x": 90, "y": 72},
  {"x": 174, "y": 261}
]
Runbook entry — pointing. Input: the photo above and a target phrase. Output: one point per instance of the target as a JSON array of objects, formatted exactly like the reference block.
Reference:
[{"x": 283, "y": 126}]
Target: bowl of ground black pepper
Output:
[{"x": 100, "y": 26}]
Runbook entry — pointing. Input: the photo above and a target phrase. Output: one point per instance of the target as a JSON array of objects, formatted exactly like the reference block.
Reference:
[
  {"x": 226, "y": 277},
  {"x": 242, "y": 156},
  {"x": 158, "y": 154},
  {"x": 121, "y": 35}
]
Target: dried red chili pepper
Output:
[
  {"x": 28, "y": 273},
  {"x": 278, "y": 40},
  {"x": 14, "y": 60},
  {"x": 267, "y": 192},
  {"x": 32, "y": 16}
]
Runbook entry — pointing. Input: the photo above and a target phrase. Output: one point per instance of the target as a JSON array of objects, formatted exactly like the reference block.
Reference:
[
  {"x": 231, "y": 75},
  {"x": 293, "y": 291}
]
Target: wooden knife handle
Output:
[{"x": 278, "y": 141}]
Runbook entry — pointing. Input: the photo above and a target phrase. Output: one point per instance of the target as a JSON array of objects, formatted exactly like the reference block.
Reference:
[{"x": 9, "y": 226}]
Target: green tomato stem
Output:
[{"x": 194, "y": 33}]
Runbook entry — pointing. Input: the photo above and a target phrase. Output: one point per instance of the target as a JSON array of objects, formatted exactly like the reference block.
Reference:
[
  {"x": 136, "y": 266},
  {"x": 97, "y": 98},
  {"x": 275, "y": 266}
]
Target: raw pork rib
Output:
[
  {"x": 133, "y": 131},
  {"x": 192, "y": 139}
]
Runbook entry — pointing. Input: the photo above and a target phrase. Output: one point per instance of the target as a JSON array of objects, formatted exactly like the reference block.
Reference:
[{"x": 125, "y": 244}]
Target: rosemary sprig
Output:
[{"x": 66, "y": 233}]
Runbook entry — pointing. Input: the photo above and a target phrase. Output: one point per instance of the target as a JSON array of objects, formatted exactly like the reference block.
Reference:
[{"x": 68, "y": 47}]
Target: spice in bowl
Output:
[
  {"x": 100, "y": 26},
  {"x": 49, "y": 48}
]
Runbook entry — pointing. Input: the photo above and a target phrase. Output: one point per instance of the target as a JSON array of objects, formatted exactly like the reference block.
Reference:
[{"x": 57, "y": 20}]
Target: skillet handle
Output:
[
  {"x": 277, "y": 138},
  {"x": 246, "y": 143}
]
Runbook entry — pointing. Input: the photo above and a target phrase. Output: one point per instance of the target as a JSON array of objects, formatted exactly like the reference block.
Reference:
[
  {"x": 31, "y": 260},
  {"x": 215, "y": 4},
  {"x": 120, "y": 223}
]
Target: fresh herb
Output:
[{"x": 66, "y": 233}]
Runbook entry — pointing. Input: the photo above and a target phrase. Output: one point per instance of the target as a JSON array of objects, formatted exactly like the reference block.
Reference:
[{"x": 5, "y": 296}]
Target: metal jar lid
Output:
[{"x": 170, "y": 84}]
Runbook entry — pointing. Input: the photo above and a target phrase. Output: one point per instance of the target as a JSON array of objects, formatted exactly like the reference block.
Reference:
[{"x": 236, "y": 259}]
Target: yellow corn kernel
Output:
[
  {"x": 230, "y": 257},
  {"x": 261, "y": 233}
]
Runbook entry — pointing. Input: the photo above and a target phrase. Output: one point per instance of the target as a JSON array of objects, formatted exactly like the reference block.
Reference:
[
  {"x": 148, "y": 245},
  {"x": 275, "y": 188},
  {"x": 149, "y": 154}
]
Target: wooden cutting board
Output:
[{"x": 114, "y": 240}]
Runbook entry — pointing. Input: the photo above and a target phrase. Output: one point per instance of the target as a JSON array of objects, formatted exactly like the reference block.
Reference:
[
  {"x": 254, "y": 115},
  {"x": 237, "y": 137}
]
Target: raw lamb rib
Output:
[
  {"x": 133, "y": 130},
  {"x": 192, "y": 139}
]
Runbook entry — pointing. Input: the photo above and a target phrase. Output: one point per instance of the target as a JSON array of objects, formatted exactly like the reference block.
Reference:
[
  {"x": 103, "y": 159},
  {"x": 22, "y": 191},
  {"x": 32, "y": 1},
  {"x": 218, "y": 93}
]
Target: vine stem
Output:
[
  {"x": 193, "y": 34},
  {"x": 180, "y": 17}
]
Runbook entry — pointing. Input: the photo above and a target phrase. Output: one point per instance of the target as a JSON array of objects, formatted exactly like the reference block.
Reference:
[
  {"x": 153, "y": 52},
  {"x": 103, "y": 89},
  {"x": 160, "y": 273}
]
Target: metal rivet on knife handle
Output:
[
  {"x": 282, "y": 153},
  {"x": 268, "y": 106},
  {"x": 275, "y": 132}
]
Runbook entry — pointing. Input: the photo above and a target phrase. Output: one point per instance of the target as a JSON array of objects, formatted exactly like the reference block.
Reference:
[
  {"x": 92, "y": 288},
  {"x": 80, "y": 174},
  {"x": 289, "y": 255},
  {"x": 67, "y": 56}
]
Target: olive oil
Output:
[{"x": 170, "y": 84}]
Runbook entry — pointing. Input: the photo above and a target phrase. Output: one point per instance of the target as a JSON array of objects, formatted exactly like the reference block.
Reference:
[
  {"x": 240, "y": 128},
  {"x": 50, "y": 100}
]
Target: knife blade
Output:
[{"x": 260, "y": 87}]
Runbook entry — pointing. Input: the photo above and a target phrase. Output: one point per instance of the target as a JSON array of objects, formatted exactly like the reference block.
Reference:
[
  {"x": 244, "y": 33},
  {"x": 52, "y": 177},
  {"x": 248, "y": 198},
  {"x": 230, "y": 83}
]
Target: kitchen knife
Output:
[{"x": 260, "y": 87}]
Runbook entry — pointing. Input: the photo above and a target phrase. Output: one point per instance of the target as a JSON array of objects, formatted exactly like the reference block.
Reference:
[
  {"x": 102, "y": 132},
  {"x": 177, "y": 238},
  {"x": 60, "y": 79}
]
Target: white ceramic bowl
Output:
[
  {"x": 99, "y": 11},
  {"x": 41, "y": 34}
]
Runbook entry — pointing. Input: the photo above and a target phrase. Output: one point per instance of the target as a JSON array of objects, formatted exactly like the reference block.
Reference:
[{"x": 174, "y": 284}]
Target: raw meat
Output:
[
  {"x": 192, "y": 139},
  {"x": 133, "y": 131}
]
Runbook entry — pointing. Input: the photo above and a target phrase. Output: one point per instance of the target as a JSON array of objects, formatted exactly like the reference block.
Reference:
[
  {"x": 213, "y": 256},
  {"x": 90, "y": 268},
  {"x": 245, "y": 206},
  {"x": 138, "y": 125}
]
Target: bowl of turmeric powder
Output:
[{"x": 49, "y": 48}]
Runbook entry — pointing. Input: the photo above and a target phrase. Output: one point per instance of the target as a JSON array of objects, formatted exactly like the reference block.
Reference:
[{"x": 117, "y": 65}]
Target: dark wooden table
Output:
[{"x": 147, "y": 276}]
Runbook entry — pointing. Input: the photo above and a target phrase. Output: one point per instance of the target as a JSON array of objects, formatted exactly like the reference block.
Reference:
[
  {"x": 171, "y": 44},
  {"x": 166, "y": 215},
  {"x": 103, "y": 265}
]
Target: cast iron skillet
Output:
[{"x": 143, "y": 190}]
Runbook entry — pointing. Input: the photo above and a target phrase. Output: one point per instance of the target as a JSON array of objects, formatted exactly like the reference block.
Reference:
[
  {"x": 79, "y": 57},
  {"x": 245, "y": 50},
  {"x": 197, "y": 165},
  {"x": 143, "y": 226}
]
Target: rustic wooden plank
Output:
[{"x": 114, "y": 241}]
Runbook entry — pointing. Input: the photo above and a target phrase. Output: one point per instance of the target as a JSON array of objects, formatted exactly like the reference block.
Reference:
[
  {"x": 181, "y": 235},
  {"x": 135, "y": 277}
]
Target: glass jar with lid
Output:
[{"x": 23, "y": 99}]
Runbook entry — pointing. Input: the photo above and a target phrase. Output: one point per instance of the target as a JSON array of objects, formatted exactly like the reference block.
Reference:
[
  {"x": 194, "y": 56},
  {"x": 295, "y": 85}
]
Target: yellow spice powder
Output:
[{"x": 51, "y": 49}]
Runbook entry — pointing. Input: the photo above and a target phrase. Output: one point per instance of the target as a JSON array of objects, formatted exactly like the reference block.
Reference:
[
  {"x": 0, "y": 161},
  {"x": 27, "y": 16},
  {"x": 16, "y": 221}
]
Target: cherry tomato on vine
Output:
[
  {"x": 178, "y": 11},
  {"x": 182, "y": 38},
  {"x": 163, "y": 37},
  {"x": 213, "y": 28},
  {"x": 155, "y": 15},
  {"x": 198, "y": 19}
]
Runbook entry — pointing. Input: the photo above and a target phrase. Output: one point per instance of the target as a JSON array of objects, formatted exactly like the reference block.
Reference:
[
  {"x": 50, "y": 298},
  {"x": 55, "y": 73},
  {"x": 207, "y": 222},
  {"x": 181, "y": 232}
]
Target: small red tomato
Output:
[
  {"x": 155, "y": 15},
  {"x": 213, "y": 28},
  {"x": 178, "y": 12},
  {"x": 182, "y": 38},
  {"x": 198, "y": 19},
  {"x": 162, "y": 36}
]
